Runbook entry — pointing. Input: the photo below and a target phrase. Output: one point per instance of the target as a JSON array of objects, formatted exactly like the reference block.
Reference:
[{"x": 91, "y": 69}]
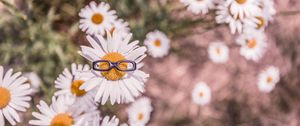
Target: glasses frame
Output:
[{"x": 114, "y": 65}]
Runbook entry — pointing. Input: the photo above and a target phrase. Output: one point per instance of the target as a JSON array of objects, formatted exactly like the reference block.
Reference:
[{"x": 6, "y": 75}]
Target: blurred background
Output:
[{"x": 44, "y": 37}]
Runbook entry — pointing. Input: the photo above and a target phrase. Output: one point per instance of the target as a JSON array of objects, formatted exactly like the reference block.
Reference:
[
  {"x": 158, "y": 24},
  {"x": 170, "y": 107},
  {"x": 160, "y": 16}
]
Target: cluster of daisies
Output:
[{"x": 248, "y": 19}]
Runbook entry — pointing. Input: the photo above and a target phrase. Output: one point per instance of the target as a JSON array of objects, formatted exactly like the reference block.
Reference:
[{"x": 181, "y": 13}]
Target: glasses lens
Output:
[
  {"x": 126, "y": 65},
  {"x": 102, "y": 65}
]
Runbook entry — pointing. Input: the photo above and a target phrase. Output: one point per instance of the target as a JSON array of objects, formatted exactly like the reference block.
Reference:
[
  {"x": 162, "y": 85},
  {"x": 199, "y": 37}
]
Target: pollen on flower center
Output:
[
  {"x": 97, "y": 18},
  {"x": 218, "y": 50},
  {"x": 4, "y": 97},
  {"x": 269, "y": 80},
  {"x": 241, "y": 1},
  {"x": 201, "y": 93},
  {"x": 157, "y": 43},
  {"x": 75, "y": 88},
  {"x": 251, "y": 43},
  {"x": 140, "y": 116},
  {"x": 261, "y": 22},
  {"x": 113, "y": 74},
  {"x": 62, "y": 119}
]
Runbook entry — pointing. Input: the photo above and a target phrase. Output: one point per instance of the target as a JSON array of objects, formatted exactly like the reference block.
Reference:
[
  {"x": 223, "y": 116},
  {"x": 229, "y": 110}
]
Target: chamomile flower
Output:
[
  {"x": 60, "y": 113},
  {"x": 34, "y": 81},
  {"x": 201, "y": 94},
  {"x": 95, "y": 19},
  {"x": 69, "y": 82},
  {"x": 268, "y": 9},
  {"x": 139, "y": 112},
  {"x": 14, "y": 96},
  {"x": 114, "y": 121},
  {"x": 253, "y": 44},
  {"x": 198, "y": 6},
  {"x": 242, "y": 8},
  {"x": 236, "y": 24},
  {"x": 218, "y": 52},
  {"x": 119, "y": 86},
  {"x": 158, "y": 43},
  {"x": 268, "y": 78}
]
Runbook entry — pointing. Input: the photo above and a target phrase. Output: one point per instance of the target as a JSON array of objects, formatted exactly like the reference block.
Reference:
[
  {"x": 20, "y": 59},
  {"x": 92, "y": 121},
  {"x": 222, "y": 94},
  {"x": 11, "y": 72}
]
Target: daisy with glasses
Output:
[
  {"x": 116, "y": 62},
  {"x": 14, "y": 96}
]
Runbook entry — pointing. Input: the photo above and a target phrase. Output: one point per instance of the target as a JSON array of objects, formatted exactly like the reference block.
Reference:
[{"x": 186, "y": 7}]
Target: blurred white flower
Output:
[
  {"x": 242, "y": 8},
  {"x": 198, "y": 6},
  {"x": 218, "y": 52},
  {"x": 61, "y": 113},
  {"x": 268, "y": 9},
  {"x": 158, "y": 43},
  {"x": 253, "y": 44},
  {"x": 114, "y": 121},
  {"x": 268, "y": 78},
  {"x": 95, "y": 19},
  {"x": 122, "y": 26},
  {"x": 139, "y": 112},
  {"x": 119, "y": 86},
  {"x": 34, "y": 81},
  {"x": 201, "y": 94},
  {"x": 14, "y": 96},
  {"x": 68, "y": 83}
]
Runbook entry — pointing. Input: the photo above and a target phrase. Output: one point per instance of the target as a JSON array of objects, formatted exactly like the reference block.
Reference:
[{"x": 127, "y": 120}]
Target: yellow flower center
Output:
[
  {"x": 269, "y": 80},
  {"x": 140, "y": 116},
  {"x": 251, "y": 43},
  {"x": 201, "y": 93},
  {"x": 97, "y": 18},
  {"x": 75, "y": 88},
  {"x": 4, "y": 97},
  {"x": 261, "y": 22},
  {"x": 241, "y": 1},
  {"x": 62, "y": 119},
  {"x": 218, "y": 50},
  {"x": 157, "y": 43},
  {"x": 113, "y": 74}
]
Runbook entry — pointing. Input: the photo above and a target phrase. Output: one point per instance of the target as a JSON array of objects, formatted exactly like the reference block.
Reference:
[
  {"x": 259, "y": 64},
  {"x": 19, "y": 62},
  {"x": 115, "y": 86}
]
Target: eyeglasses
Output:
[{"x": 106, "y": 65}]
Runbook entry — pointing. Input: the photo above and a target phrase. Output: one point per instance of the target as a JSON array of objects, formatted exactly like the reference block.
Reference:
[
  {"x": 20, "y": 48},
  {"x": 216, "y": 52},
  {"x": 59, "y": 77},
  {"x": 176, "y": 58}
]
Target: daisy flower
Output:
[
  {"x": 69, "y": 82},
  {"x": 34, "y": 81},
  {"x": 253, "y": 44},
  {"x": 218, "y": 52},
  {"x": 95, "y": 19},
  {"x": 139, "y": 112},
  {"x": 198, "y": 6},
  {"x": 268, "y": 9},
  {"x": 268, "y": 79},
  {"x": 158, "y": 43},
  {"x": 60, "y": 113},
  {"x": 201, "y": 94},
  {"x": 242, "y": 8},
  {"x": 119, "y": 86},
  {"x": 114, "y": 121},
  {"x": 14, "y": 96},
  {"x": 122, "y": 26},
  {"x": 236, "y": 24}
]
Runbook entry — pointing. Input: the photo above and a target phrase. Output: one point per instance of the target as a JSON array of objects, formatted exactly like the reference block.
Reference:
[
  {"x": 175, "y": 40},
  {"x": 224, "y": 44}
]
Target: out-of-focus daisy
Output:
[
  {"x": 218, "y": 52},
  {"x": 60, "y": 113},
  {"x": 268, "y": 79},
  {"x": 122, "y": 26},
  {"x": 158, "y": 43},
  {"x": 69, "y": 82},
  {"x": 242, "y": 8},
  {"x": 268, "y": 9},
  {"x": 14, "y": 96},
  {"x": 34, "y": 81},
  {"x": 198, "y": 6},
  {"x": 139, "y": 112},
  {"x": 236, "y": 24},
  {"x": 253, "y": 44},
  {"x": 201, "y": 94},
  {"x": 95, "y": 19},
  {"x": 119, "y": 86},
  {"x": 114, "y": 121}
]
